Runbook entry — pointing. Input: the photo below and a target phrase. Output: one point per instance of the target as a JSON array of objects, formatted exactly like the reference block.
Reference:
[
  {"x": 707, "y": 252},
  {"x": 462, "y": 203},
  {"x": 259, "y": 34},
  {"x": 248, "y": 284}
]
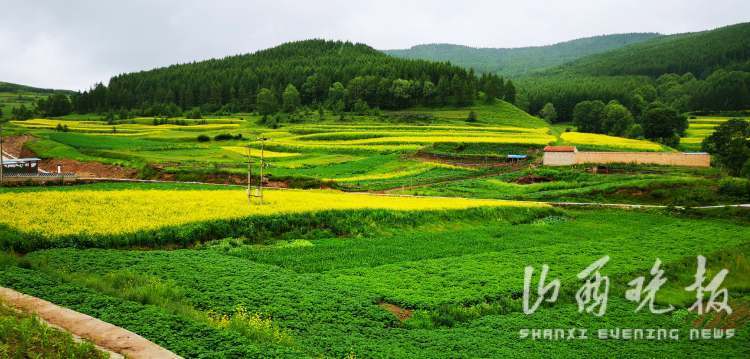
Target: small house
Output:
[{"x": 21, "y": 166}]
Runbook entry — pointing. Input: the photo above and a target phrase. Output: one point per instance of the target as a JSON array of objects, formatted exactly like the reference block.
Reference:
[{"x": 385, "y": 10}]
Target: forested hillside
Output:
[
  {"x": 522, "y": 60},
  {"x": 334, "y": 74},
  {"x": 703, "y": 71},
  {"x": 699, "y": 53}
]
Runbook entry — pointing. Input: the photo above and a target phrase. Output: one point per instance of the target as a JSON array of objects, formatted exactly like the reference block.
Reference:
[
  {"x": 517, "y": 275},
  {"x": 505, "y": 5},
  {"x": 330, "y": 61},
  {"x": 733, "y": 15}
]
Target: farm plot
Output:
[
  {"x": 138, "y": 213},
  {"x": 699, "y": 128},
  {"x": 624, "y": 184},
  {"x": 594, "y": 141},
  {"x": 312, "y": 295}
]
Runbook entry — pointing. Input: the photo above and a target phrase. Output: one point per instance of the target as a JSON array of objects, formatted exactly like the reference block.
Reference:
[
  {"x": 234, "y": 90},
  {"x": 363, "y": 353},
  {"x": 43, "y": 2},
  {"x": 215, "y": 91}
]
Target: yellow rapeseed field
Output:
[
  {"x": 256, "y": 152},
  {"x": 593, "y": 139},
  {"x": 56, "y": 213}
]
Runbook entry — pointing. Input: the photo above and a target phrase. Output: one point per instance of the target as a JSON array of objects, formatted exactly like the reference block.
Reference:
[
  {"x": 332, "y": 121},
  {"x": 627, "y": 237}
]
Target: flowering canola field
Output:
[
  {"x": 594, "y": 139},
  {"x": 59, "y": 213}
]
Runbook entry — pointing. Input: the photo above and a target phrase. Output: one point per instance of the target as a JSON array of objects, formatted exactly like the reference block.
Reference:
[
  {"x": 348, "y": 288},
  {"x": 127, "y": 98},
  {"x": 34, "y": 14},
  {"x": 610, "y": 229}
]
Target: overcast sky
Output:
[{"x": 72, "y": 44}]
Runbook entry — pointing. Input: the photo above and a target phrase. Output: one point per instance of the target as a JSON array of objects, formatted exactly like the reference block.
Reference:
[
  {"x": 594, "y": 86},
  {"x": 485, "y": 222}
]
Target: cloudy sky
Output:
[{"x": 74, "y": 43}]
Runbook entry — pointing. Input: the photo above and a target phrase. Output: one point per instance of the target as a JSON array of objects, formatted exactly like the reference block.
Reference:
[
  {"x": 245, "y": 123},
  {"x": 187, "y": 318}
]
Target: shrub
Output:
[
  {"x": 735, "y": 187},
  {"x": 223, "y": 137},
  {"x": 203, "y": 138}
]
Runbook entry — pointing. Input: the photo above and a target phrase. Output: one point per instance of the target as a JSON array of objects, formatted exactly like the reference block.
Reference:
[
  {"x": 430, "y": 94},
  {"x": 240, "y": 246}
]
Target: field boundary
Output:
[{"x": 102, "y": 334}]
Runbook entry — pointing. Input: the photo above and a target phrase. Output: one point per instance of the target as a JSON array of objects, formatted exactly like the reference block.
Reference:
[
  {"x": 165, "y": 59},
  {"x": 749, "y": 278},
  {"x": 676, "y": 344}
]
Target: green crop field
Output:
[
  {"x": 621, "y": 184},
  {"x": 700, "y": 128},
  {"x": 10, "y": 100},
  {"x": 379, "y": 277}
]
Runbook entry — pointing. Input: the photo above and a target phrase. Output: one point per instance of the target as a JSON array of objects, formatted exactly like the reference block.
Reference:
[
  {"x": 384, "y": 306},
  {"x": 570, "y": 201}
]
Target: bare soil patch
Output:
[
  {"x": 529, "y": 179},
  {"x": 401, "y": 313},
  {"x": 739, "y": 318},
  {"x": 13, "y": 145},
  {"x": 88, "y": 169}
]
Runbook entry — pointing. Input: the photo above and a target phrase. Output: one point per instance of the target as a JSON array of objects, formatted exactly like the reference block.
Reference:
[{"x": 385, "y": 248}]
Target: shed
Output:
[{"x": 21, "y": 165}]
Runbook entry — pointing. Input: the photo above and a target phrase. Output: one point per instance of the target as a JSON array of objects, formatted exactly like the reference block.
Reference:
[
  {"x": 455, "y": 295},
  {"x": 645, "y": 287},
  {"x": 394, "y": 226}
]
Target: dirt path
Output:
[{"x": 102, "y": 334}]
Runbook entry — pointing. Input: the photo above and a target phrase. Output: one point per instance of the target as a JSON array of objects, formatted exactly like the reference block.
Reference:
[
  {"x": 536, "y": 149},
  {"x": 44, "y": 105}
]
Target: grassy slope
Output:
[{"x": 13, "y": 95}]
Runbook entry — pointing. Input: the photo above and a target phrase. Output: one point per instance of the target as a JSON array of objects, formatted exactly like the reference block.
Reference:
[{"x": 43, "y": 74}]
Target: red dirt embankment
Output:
[{"x": 14, "y": 146}]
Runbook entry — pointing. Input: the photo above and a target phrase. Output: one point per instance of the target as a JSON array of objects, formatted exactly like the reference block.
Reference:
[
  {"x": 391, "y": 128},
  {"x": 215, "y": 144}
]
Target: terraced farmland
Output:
[
  {"x": 700, "y": 128},
  {"x": 382, "y": 276},
  {"x": 361, "y": 153}
]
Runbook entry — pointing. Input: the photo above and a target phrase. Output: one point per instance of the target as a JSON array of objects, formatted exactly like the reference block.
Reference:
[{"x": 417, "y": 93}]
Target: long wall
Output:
[{"x": 658, "y": 158}]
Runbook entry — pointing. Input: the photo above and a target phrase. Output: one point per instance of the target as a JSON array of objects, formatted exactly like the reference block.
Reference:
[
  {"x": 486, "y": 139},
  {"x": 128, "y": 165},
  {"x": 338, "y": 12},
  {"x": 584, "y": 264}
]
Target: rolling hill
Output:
[
  {"x": 701, "y": 71},
  {"x": 316, "y": 71},
  {"x": 524, "y": 60},
  {"x": 16, "y": 88},
  {"x": 699, "y": 53}
]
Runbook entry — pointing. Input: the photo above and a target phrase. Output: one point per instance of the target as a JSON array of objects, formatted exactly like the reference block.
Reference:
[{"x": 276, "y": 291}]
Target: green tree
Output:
[
  {"x": 587, "y": 116},
  {"x": 664, "y": 124},
  {"x": 729, "y": 144},
  {"x": 361, "y": 107},
  {"x": 290, "y": 99},
  {"x": 548, "y": 112},
  {"x": 336, "y": 94},
  {"x": 510, "y": 92},
  {"x": 616, "y": 119},
  {"x": 472, "y": 116},
  {"x": 266, "y": 102}
]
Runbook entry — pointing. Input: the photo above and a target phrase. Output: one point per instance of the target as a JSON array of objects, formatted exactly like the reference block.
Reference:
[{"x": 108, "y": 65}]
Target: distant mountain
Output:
[
  {"x": 700, "y": 71},
  {"x": 11, "y": 87},
  {"x": 523, "y": 60},
  {"x": 699, "y": 53}
]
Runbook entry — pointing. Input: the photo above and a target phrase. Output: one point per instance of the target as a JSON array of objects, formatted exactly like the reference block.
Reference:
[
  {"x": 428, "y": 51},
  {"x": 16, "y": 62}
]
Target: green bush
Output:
[{"x": 735, "y": 187}]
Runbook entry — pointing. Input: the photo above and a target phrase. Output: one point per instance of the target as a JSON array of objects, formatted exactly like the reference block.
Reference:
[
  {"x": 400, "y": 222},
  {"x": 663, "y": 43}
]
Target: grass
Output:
[
  {"x": 24, "y": 336},
  {"x": 317, "y": 294}
]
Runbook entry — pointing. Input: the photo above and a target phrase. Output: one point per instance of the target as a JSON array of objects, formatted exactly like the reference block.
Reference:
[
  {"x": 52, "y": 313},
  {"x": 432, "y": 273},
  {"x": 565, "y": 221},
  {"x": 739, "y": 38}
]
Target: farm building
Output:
[
  {"x": 21, "y": 166},
  {"x": 569, "y": 155}
]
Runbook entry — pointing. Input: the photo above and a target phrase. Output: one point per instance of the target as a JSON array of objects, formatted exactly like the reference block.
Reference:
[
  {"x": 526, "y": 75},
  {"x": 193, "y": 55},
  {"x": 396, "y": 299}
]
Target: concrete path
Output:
[{"x": 105, "y": 335}]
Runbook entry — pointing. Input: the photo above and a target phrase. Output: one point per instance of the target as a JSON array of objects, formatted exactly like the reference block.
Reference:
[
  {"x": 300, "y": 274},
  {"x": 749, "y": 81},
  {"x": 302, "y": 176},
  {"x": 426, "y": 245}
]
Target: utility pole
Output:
[
  {"x": 262, "y": 164},
  {"x": 259, "y": 190},
  {"x": 2, "y": 166},
  {"x": 249, "y": 176}
]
